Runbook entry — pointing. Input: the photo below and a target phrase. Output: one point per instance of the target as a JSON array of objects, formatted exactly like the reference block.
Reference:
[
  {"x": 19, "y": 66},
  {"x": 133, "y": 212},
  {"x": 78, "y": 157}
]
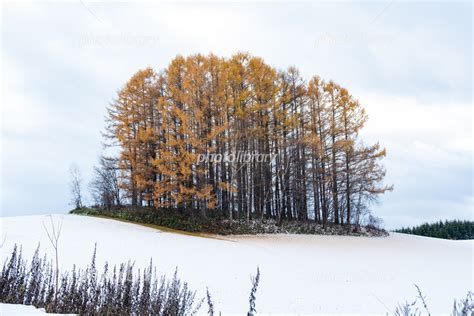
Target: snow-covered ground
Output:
[
  {"x": 299, "y": 273},
  {"x": 23, "y": 310},
  {"x": 15, "y": 309}
]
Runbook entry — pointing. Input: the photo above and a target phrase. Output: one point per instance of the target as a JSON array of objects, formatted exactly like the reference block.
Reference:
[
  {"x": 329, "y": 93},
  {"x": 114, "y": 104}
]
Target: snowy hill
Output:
[{"x": 299, "y": 273}]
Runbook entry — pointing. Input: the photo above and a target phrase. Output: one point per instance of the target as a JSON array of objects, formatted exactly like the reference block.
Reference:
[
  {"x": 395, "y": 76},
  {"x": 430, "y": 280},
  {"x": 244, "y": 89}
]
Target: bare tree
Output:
[
  {"x": 54, "y": 232},
  {"x": 75, "y": 186},
  {"x": 104, "y": 187}
]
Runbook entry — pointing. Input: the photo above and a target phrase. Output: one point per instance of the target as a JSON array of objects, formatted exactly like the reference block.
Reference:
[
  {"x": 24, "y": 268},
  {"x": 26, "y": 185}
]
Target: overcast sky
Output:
[{"x": 410, "y": 65}]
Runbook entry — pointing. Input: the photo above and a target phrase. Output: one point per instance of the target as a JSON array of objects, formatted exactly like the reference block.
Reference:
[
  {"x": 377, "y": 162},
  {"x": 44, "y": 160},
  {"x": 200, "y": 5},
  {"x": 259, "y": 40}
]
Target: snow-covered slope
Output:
[
  {"x": 299, "y": 273},
  {"x": 23, "y": 310},
  {"x": 15, "y": 309}
]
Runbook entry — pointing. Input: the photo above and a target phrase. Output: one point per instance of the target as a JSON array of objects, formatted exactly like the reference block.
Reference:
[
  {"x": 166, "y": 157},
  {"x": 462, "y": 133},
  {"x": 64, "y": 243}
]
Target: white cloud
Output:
[
  {"x": 21, "y": 112},
  {"x": 447, "y": 126},
  {"x": 429, "y": 157}
]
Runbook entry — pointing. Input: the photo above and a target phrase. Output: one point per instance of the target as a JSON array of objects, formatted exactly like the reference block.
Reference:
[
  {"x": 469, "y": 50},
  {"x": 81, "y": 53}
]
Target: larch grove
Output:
[{"x": 165, "y": 121}]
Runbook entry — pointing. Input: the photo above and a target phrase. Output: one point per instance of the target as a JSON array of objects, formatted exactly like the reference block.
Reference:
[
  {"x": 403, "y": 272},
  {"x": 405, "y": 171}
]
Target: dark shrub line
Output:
[{"x": 193, "y": 221}]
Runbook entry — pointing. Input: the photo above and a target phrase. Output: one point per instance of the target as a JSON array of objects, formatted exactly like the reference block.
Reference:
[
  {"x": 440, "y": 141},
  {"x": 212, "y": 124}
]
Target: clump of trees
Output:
[
  {"x": 454, "y": 229},
  {"x": 163, "y": 121}
]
